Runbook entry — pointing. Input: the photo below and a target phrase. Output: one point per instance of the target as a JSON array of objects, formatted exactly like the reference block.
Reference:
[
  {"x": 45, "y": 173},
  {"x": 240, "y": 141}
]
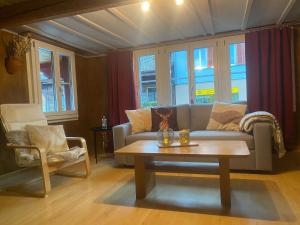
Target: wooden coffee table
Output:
[{"x": 145, "y": 166}]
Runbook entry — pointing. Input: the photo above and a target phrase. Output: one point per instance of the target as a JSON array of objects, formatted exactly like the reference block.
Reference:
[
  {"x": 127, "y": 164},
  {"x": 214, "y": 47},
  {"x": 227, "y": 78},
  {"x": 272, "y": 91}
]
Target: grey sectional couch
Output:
[{"x": 195, "y": 118}]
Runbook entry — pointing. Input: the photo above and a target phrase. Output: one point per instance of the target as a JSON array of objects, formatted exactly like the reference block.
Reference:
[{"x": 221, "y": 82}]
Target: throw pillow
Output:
[
  {"x": 226, "y": 116},
  {"x": 164, "y": 118},
  {"x": 50, "y": 138},
  {"x": 139, "y": 119}
]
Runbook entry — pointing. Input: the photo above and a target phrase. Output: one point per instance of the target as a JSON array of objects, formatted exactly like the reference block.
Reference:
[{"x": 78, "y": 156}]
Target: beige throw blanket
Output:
[{"x": 250, "y": 119}]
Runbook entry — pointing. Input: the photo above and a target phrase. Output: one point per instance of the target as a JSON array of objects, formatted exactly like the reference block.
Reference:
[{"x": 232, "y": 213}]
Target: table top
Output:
[{"x": 205, "y": 148}]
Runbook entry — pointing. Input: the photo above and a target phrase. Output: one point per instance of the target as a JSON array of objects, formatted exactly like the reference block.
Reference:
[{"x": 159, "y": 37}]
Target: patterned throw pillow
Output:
[
  {"x": 226, "y": 116},
  {"x": 164, "y": 118},
  {"x": 139, "y": 119}
]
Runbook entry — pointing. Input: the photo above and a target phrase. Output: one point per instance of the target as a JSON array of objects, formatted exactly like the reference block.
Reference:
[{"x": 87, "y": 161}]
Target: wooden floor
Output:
[{"x": 108, "y": 197}]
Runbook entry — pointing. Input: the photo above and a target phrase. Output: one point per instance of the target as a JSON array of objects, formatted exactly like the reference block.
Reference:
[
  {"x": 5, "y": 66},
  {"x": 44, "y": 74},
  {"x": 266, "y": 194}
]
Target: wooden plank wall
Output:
[{"x": 297, "y": 83}]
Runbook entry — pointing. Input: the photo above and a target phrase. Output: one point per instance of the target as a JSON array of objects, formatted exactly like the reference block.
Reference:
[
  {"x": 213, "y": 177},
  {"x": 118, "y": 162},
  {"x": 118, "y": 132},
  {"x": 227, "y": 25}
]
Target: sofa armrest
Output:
[
  {"x": 120, "y": 132},
  {"x": 262, "y": 133}
]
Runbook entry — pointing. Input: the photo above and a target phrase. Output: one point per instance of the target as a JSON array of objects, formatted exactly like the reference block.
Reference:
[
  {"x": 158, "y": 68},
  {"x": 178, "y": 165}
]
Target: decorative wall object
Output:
[{"x": 16, "y": 48}]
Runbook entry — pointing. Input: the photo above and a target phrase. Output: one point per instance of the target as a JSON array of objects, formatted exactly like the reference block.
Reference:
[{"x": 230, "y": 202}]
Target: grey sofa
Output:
[{"x": 195, "y": 118}]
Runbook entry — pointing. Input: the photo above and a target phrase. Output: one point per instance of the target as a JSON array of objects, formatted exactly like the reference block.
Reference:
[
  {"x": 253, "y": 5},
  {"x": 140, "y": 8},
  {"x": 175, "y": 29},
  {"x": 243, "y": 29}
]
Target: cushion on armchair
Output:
[{"x": 50, "y": 138}]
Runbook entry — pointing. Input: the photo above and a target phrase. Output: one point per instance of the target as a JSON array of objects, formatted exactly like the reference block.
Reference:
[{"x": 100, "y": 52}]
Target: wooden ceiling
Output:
[
  {"x": 119, "y": 24},
  {"x": 4, "y": 3}
]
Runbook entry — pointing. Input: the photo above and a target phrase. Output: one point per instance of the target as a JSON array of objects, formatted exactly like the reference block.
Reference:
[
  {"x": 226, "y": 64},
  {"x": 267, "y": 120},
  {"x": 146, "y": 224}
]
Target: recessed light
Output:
[
  {"x": 179, "y": 2},
  {"x": 145, "y": 6}
]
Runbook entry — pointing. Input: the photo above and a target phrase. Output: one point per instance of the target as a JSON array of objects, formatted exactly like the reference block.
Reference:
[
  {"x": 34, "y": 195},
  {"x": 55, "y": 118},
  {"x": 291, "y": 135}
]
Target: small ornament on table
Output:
[
  {"x": 165, "y": 137},
  {"x": 184, "y": 137}
]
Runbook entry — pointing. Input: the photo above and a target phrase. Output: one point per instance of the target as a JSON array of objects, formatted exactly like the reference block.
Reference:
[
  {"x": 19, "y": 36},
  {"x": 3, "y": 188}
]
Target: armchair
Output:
[{"x": 14, "y": 117}]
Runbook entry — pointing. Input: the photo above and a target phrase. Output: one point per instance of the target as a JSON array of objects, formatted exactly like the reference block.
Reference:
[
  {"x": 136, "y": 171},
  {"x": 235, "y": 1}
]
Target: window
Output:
[
  {"x": 194, "y": 72},
  {"x": 147, "y": 78},
  {"x": 52, "y": 81},
  {"x": 179, "y": 77}
]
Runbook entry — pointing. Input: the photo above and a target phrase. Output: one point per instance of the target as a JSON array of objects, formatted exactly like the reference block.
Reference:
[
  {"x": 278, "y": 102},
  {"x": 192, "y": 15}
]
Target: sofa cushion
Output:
[
  {"x": 183, "y": 117},
  {"x": 199, "y": 135},
  {"x": 140, "y": 120},
  {"x": 223, "y": 135},
  {"x": 226, "y": 116},
  {"x": 200, "y": 115},
  {"x": 145, "y": 136}
]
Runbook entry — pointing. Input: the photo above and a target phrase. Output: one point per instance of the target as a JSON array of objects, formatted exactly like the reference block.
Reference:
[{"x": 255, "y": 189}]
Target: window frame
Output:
[{"x": 34, "y": 83}]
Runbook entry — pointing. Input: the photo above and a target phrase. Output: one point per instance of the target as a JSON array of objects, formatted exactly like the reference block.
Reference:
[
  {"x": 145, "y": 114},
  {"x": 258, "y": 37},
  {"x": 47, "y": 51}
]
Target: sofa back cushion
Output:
[
  {"x": 200, "y": 115},
  {"x": 183, "y": 117}
]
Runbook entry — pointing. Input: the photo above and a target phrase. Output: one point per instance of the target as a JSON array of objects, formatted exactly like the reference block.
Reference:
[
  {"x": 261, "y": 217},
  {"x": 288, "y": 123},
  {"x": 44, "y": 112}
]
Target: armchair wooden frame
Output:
[{"x": 48, "y": 169}]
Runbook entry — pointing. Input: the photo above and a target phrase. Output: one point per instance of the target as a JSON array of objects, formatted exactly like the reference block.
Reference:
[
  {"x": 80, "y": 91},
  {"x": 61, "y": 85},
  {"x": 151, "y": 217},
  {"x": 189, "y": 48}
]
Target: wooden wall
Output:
[
  {"x": 297, "y": 83},
  {"x": 92, "y": 98},
  {"x": 13, "y": 89}
]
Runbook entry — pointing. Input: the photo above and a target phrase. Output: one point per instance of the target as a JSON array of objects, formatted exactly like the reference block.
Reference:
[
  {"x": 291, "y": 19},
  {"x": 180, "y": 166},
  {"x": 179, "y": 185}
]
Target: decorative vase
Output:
[
  {"x": 184, "y": 137},
  {"x": 13, "y": 64},
  {"x": 165, "y": 137}
]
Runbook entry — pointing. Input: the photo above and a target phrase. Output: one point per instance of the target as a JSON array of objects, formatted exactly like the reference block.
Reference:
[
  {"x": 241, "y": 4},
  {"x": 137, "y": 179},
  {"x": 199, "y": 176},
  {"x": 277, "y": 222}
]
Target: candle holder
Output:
[
  {"x": 184, "y": 137},
  {"x": 165, "y": 137}
]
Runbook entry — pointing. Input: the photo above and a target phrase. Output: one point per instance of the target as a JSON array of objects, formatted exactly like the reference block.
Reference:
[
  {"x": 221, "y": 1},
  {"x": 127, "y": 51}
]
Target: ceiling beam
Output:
[
  {"x": 59, "y": 39},
  {"x": 32, "y": 11},
  {"x": 246, "y": 14},
  {"x": 211, "y": 17},
  {"x": 68, "y": 29},
  {"x": 120, "y": 16},
  {"x": 102, "y": 29},
  {"x": 286, "y": 11}
]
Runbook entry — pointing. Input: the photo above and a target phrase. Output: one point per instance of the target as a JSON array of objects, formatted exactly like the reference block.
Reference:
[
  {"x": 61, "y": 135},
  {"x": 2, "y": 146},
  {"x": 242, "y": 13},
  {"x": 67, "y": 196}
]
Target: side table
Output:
[{"x": 104, "y": 133}]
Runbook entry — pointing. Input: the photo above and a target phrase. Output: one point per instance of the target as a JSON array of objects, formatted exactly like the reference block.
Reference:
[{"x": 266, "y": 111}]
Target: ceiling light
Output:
[
  {"x": 179, "y": 2},
  {"x": 145, "y": 6}
]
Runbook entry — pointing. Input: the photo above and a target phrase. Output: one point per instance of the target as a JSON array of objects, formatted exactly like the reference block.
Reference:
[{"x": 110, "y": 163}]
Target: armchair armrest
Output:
[
  {"x": 14, "y": 146},
  {"x": 120, "y": 132},
  {"x": 262, "y": 133},
  {"x": 41, "y": 151},
  {"x": 80, "y": 139}
]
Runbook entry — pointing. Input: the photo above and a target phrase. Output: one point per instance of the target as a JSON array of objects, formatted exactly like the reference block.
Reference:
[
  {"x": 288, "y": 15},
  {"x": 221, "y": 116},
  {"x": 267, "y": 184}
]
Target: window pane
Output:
[
  {"x": 67, "y": 90},
  {"x": 147, "y": 73},
  {"x": 179, "y": 77},
  {"x": 47, "y": 78},
  {"x": 238, "y": 72},
  {"x": 204, "y": 75}
]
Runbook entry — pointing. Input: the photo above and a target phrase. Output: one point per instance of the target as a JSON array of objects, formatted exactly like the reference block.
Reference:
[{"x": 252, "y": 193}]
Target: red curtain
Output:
[
  {"x": 120, "y": 86},
  {"x": 269, "y": 76}
]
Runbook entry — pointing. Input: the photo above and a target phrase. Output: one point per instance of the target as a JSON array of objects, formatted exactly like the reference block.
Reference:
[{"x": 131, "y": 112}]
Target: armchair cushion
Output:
[{"x": 50, "y": 138}]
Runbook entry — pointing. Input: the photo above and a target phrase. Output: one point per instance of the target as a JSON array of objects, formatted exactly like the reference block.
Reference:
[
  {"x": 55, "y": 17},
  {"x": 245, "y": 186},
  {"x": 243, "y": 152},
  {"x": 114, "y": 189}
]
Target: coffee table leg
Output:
[
  {"x": 144, "y": 179},
  {"x": 225, "y": 181}
]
